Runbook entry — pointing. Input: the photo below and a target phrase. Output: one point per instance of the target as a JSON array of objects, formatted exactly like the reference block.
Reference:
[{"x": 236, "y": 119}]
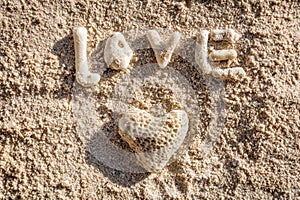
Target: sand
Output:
[{"x": 42, "y": 155}]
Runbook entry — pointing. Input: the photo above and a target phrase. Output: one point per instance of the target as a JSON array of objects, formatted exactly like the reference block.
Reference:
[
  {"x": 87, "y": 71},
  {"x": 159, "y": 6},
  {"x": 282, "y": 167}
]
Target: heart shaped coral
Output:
[{"x": 154, "y": 139}]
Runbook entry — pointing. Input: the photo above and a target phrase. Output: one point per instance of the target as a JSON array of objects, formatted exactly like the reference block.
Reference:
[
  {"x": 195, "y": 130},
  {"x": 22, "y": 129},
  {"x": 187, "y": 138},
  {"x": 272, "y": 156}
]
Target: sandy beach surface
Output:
[{"x": 43, "y": 155}]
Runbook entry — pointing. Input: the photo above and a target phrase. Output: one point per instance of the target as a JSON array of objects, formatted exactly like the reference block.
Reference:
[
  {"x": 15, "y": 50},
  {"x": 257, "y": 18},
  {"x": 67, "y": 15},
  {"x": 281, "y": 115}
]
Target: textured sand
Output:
[{"x": 42, "y": 155}]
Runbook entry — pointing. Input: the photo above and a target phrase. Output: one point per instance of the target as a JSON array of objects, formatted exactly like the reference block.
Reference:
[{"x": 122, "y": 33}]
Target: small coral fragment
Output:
[
  {"x": 83, "y": 75},
  {"x": 224, "y": 54},
  {"x": 225, "y": 35},
  {"x": 117, "y": 52},
  {"x": 163, "y": 49},
  {"x": 201, "y": 56},
  {"x": 154, "y": 139},
  {"x": 237, "y": 71}
]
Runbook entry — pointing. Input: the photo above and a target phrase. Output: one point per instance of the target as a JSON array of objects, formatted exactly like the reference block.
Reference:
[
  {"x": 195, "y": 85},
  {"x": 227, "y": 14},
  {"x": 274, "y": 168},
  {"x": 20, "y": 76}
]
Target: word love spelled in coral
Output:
[{"x": 118, "y": 54}]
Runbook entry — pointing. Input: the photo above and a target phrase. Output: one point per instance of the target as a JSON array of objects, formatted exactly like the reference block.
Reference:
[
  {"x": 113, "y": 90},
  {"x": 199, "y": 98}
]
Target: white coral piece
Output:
[
  {"x": 224, "y": 54},
  {"x": 237, "y": 71},
  {"x": 201, "y": 56},
  {"x": 155, "y": 139},
  {"x": 117, "y": 52},
  {"x": 225, "y": 35},
  {"x": 83, "y": 75},
  {"x": 163, "y": 49}
]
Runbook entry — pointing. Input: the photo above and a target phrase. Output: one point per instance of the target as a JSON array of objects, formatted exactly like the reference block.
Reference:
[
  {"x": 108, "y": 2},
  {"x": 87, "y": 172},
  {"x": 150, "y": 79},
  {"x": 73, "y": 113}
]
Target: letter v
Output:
[{"x": 163, "y": 49}]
